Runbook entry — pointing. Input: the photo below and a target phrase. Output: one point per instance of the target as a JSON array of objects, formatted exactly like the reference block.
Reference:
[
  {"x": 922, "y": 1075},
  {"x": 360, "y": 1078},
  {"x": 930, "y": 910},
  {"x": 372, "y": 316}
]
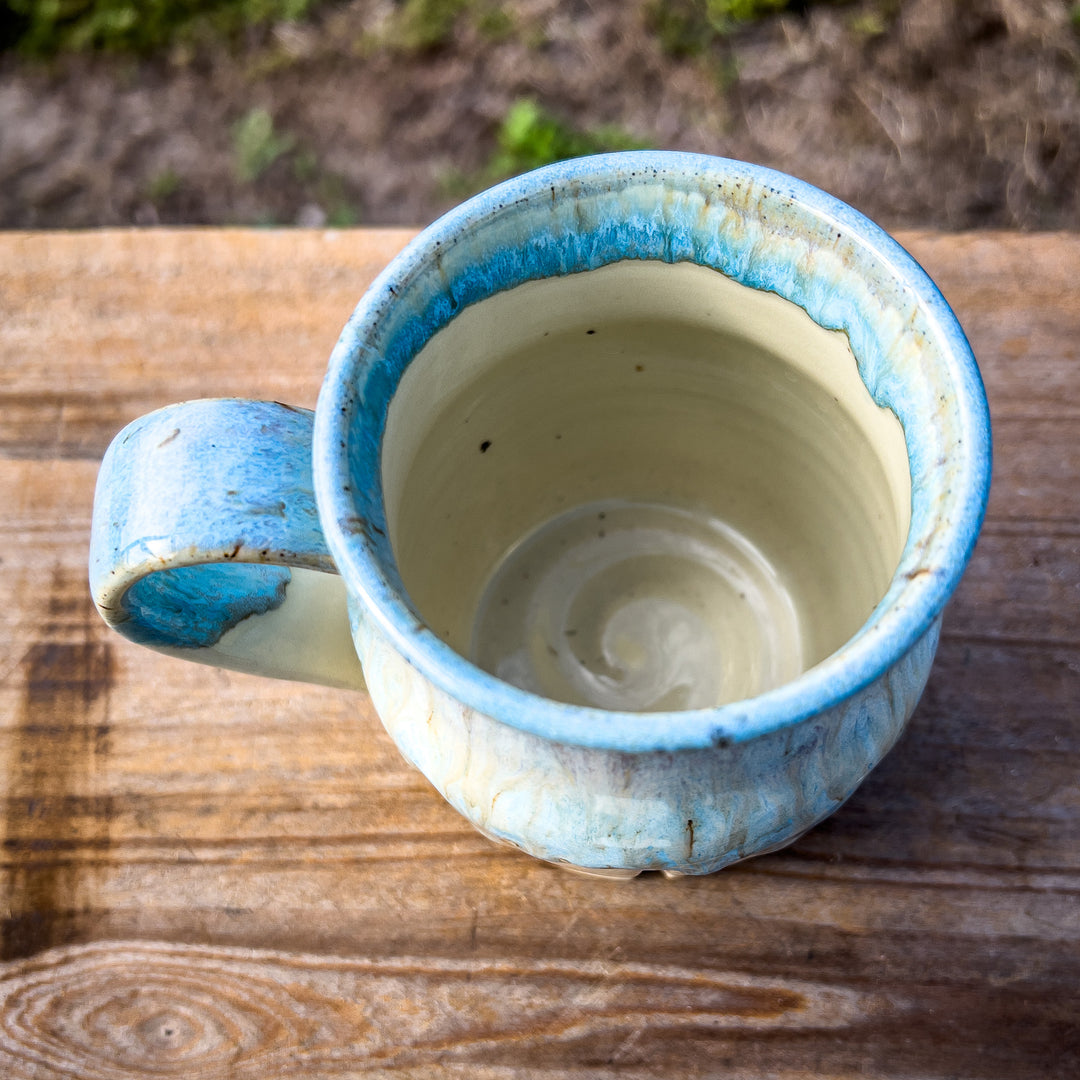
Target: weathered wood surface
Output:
[{"x": 205, "y": 875}]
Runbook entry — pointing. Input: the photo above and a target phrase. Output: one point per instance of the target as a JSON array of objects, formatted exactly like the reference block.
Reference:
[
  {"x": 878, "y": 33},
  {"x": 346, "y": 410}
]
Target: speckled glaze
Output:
[
  {"x": 683, "y": 791},
  {"x": 204, "y": 521}
]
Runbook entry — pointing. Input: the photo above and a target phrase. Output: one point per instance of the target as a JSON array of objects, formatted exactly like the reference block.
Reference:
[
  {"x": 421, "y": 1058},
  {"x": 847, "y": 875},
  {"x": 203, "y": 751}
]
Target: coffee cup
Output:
[{"x": 634, "y": 495}]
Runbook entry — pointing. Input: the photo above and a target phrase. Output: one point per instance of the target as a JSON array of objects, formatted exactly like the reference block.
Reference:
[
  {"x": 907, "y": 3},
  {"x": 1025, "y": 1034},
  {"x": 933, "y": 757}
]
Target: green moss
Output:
[
  {"x": 679, "y": 26},
  {"x": 494, "y": 23},
  {"x": 331, "y": 193},
  {"x": 724, "y": 13},
  {"x": 162, "y": 185},
  {"x": 342, "y": 216},
  {"x": 726, "y": 73},
  {"x": 423, "y": 25},
  {"x": 305, "y": 166},
  {"x": 256, "y": 145},
  {"x": 868, "y": 24},
  {"x": 875, "y": 19},
  {"x": 46, "y": 27},
  {"x": 690, "y": 27},
  {"x": 530, "y": 136}
]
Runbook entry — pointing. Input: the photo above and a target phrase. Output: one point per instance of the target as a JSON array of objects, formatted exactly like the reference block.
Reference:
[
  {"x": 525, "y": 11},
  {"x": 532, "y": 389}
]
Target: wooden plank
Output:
[
  {"x": 208, "y": 875},
  {"x": 102, "y": 327},
  {"x": 288, "y": 1014}
]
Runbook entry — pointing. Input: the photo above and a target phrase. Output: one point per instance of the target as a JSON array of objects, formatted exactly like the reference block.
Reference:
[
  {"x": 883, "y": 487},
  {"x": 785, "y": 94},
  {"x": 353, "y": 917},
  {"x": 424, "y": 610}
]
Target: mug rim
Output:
[{"x": 360, "y": 372}]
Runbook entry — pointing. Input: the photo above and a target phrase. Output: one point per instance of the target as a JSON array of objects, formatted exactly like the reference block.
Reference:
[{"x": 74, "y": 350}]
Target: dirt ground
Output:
[{"x": 919, "y": 112}]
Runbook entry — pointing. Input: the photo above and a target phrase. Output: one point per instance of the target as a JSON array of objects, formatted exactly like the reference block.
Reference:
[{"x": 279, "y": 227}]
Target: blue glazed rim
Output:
[{"x": 767, "y": 230}]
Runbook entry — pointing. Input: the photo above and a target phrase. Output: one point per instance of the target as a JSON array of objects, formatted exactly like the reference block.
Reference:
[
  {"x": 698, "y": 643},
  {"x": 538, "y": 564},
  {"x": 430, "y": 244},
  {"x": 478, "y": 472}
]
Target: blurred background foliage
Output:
[
  {"x": 946, "y": 113},
  {"x": 529, "y": 137},
  {"x": 46, "y": 27}
]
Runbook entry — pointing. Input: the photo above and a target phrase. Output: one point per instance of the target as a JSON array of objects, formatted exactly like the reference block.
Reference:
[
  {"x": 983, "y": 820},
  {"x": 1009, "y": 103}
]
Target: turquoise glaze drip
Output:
[
  {"x": 193, "y": 606},
  {"x": 193, "y": 502}
]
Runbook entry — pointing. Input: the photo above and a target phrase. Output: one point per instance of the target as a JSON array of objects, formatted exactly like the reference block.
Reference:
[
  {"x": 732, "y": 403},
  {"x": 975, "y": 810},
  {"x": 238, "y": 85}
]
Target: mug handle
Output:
[{"x": 206, "y": 544}]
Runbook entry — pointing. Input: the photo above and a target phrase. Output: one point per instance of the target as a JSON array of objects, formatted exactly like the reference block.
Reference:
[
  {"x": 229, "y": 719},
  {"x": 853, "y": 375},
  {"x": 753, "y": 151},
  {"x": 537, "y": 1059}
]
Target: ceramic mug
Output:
[{"x": 647, "y": 477}]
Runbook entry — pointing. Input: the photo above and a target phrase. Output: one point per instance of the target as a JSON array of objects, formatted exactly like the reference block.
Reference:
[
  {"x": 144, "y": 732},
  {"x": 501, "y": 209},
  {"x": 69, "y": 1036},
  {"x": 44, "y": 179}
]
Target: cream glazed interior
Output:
[{"x": 642, "y": 487}]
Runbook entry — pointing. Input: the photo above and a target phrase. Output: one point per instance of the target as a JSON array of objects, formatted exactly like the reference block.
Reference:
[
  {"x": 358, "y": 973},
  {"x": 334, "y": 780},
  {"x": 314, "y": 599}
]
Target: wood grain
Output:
[{"x": 207, "y": 875}]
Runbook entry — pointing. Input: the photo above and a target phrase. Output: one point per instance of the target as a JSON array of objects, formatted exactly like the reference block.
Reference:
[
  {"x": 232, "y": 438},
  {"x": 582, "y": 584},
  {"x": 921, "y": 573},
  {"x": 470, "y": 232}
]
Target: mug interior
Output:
[
  {"x": 642, "y": 487},
  {"x": 772, "y": 459}
]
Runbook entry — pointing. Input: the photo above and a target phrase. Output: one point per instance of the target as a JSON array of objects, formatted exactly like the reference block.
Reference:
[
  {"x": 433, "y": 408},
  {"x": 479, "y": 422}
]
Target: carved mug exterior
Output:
[{"x": 272, "y": 540}]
